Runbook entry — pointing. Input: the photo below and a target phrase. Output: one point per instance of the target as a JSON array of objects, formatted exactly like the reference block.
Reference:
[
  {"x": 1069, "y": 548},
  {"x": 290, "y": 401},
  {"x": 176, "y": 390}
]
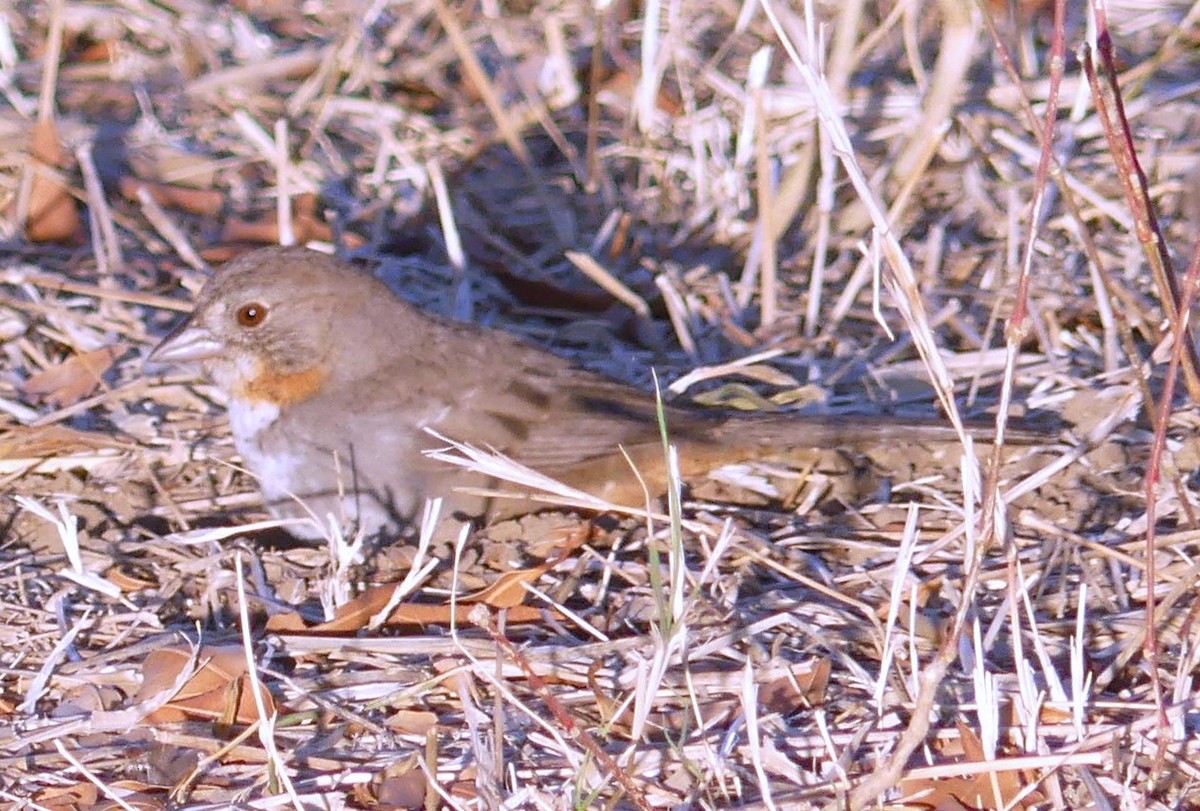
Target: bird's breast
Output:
[{"x": 250, "y": 422}]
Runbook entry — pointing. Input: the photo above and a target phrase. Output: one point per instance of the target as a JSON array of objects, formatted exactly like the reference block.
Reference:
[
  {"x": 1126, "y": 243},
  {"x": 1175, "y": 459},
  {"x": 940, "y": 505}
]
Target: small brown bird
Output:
[{"x": 332, "y": 381}]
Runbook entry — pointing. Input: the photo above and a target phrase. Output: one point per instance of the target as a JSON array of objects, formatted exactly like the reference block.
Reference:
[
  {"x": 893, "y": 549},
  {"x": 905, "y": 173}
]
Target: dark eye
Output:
[{"x": 251, "y": 315}]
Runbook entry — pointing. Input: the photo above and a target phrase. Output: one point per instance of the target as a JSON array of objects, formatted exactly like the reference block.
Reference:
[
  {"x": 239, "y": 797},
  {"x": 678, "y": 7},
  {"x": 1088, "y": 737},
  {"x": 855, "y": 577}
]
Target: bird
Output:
[{"x": 334, "y": 382}]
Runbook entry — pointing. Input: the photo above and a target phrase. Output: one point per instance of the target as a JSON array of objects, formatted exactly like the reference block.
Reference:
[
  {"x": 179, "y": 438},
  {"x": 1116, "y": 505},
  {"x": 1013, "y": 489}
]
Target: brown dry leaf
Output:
[
  {"x": 622, "y": 84},
  {"x": 284, "y": 623},
  {"x": 138, "y": 800},
  {"x": 975, "y": 791},
  {"x": 509, "y": 589},
  {"x": 128, "y": 582},
  {"x": 400, "y": 786},
  {"x": 356, "y": 614},
  {"x": 219, "y": 690},
  {"x": 53, "y": 213},
  {"x": 204, "y": 202},
  {"x": 804, "y": 686},
  {"x": 411, "y": 722},
  {"x": 68, "y": 798},
  {"x": 306, "y": 225},
  {"x": 66, "y": 383}
]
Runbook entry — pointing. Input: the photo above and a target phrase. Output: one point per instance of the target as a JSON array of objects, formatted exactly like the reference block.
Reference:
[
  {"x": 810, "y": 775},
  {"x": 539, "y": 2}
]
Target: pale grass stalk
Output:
[
  {"x": 432, "y": 781},
  {"x": 302, "y": 60},
  {"x": 419, "y": 569},
  {"x": 666, "y": 652},
  {"x": 157, "y": 216},
  {"x": 749, "y": 130},
  {"x": 796, "y": 180},
  {"x": 485, "y": 743},
  {"x": 751, "y": 264},
  {"x": 9, "y": 62},
  {"x": 38, "y": 684},
  {"x": 749, "y": 700},
  {"x": 956, "y": 51},
  {"x": 283, "y": 196},
  {"x": 765, "y": 192},
  {"x": 714, "y": 557},
  {"x": 1029, "y": 703},
  {"x": 652, "y": 64},
  {"x": 914, "y": 655},
  {"x": 481, "y": 81},
  {"x": 123, "y": 392},
  {"x": 1023, "y": 585},
  {"x": 678, "y": 313},
  {"x": 871, "y": 253},
  {"x": 183, "y": 788},
  {"x": 478, "y": 666},
  {"x": 268, "y": 149},
  {"x": 539, "y": 487},
  {"x": 266, "y": 723},
  {"x": 968, "y": 468},
  {"x": 826, "y": 201},
  {"x": 445, "y": 210},
  {"x": 900, "y": 572},
  {"x": 1081, "y": 677},
  {"x": 702, "y": 373},
  {"x": 987, "y": 706},
  {"x": 677, "y": 561},
  {"x": 605, "y": 232},
  {"x": 579, "y": 621},
  {"x": 902, "y": 280},
  {"x": 481, "y": 670},
  {"x": 91, "y": 777},
  {"x": 107, "y": 247},
  {"x": 207, "y": 535},
  {"x": 66, "y": 524},
  {"x": 1049, "y": 762},
  {"x": 588, "y": 266},
  {"x": 1028, "y": 155},
  {"x": 1181, "y": 690},
  {"x": 336, "y": 590},
  {"x": 669, "y": 636},
  {"x": 714, "y": 762},
  {"x": 835, "y": 760},
  {"x": 639, "y": 680}
]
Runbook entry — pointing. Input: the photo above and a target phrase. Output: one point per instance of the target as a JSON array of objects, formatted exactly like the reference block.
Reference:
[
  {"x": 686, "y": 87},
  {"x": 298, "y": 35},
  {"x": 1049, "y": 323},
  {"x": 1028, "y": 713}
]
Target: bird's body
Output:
[{"x": 333, "y": 380}]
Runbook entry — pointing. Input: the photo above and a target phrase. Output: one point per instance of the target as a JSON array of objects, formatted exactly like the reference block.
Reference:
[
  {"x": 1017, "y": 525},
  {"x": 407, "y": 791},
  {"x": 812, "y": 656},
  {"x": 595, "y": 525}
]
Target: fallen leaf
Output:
[
  {"x": 219, "y": 690},
  {"x": 204, "y": 202},
  {"x": 971, "y": 791},
  {"x": 509, "y": 589},
  {"x": 400, "y": 786},
  {"x": 53, "y": 212},
  {"x": 66, "y": 383},
  {"x": 411, "y": 722},
  {"x": 804, "y": 686},
  {"x": 68, "y": 798}
]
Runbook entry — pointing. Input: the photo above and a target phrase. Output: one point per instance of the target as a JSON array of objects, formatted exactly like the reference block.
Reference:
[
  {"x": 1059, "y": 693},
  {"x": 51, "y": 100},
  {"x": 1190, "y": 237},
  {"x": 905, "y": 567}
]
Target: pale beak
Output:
[{"x": 187, "y": 342}]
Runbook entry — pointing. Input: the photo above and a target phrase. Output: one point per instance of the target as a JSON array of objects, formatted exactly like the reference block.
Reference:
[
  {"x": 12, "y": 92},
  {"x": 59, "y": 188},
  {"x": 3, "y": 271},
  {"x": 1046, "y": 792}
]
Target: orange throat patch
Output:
[{"x": 282, "y": 389}]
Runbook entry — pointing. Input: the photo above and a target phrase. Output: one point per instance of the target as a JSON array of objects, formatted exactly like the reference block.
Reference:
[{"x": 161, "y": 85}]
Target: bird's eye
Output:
[{"x": 251, "y": 315}]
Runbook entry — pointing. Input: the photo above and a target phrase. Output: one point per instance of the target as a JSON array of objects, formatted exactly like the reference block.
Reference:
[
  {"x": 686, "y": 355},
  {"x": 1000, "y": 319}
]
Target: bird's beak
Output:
[{"x": 187, "y": 342}]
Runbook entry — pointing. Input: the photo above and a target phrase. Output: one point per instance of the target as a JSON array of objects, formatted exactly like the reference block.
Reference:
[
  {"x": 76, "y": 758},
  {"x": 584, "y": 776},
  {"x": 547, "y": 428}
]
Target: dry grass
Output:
[{"x": 900, "y": 625}]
